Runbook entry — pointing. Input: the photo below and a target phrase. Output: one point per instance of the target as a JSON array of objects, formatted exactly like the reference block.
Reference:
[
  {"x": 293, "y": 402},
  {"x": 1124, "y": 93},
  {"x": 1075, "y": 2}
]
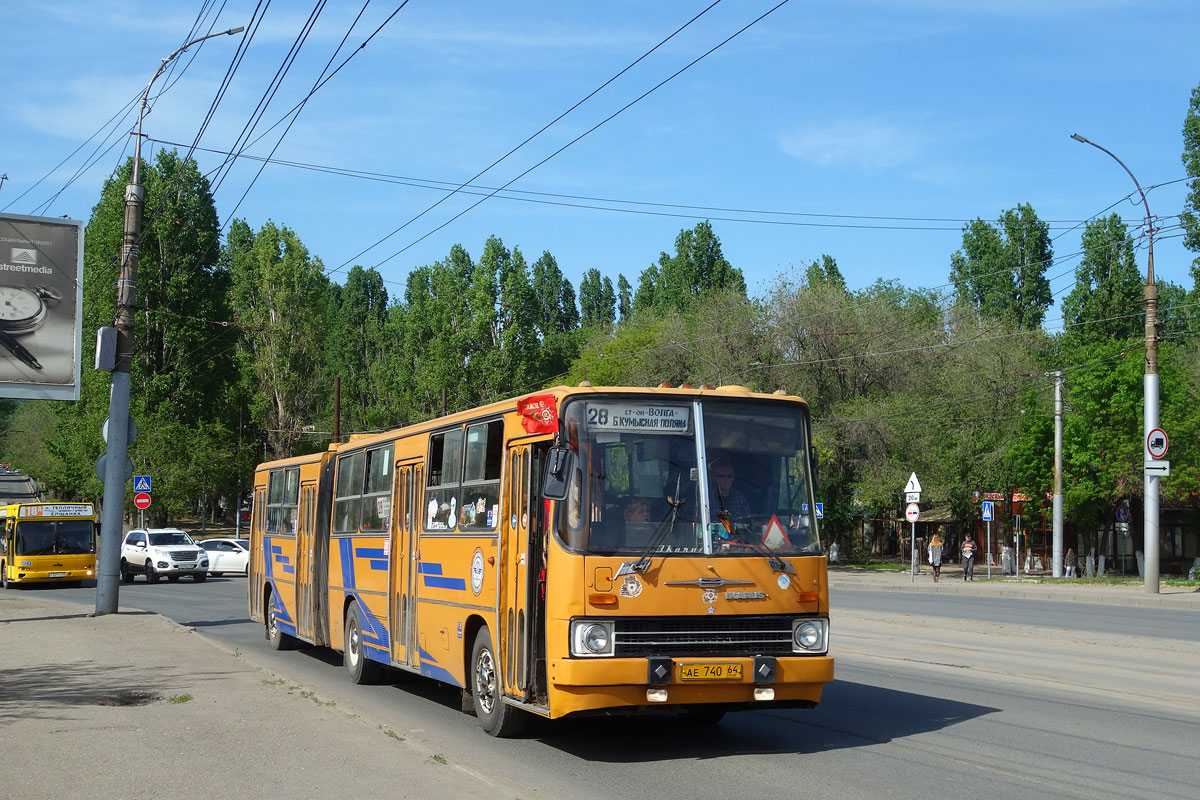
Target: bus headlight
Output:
[
  {"x": 591, "y": 638},
  {"x": 810, "y": 636}
]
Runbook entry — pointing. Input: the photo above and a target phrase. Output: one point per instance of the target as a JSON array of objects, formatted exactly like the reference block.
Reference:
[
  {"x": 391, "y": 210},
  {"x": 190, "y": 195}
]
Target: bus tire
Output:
[
  {"x": 495, "y": 716},
  {"x": 151, "y": 575},
  {"x": 278, "y": 639},
  {"x": 3, "y": 575},
  {"x": 362, "y": 669}
]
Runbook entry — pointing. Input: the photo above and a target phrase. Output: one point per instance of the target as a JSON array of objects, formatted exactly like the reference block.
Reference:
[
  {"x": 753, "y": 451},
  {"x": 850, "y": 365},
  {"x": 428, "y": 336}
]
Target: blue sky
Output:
[{"x": 937, "y": 111}]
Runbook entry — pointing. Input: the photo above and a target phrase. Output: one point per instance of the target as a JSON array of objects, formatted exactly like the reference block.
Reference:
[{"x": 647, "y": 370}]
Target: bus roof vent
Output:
[
  {"x": 585, "y": 384},
  {"x": 779, "y": 391},
  {"x": 732, "y": 387}
]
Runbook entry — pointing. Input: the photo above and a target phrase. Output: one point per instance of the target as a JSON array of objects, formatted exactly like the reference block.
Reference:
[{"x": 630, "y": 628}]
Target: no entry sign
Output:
[{"x": 141, "y": 500}]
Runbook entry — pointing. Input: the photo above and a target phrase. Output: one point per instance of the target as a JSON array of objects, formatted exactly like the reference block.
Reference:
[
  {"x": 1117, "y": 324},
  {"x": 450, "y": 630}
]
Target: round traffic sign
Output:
[
  {"x": 913, "y": 512},
  {"x": 141, "y": 500},
  {"x": 1156, "y": 443}
]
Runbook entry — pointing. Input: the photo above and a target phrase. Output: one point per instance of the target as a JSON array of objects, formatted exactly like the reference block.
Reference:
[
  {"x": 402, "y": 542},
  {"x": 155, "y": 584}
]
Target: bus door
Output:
[
  {"x": 523, "y": 575},
  {"x": 305, "y": 528},
  {"x": 402, "y": 608},
  {"x": 257, "y": 552}
]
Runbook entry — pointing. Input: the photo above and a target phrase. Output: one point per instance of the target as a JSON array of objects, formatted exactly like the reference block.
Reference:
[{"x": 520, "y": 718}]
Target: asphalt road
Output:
[{"x": 935, "y": 696}]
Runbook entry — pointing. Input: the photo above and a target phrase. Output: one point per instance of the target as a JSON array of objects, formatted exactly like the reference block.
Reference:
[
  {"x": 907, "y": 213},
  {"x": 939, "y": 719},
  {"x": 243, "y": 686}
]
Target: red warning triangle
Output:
[{"x": 775, "y": 536}]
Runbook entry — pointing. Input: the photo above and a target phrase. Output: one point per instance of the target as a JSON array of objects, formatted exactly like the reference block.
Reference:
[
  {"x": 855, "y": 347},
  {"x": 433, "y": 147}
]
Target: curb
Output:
[{"x": 1188, "y": 600}]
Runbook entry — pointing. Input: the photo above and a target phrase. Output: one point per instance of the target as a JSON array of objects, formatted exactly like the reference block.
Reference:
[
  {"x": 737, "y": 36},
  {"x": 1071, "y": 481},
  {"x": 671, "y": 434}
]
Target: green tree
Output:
[
  {"x": 1191, "y": 165},
  {"x": 1001, "y": 270},
  {"x": 698, "y": 266},
  {"x": 284, "y": 305},
  {"x": 1106, "y": 302},
  {"x": 356, "y": 346},
  {"x": 597, "y": 300},
  {"x": 624, "y": 298}
]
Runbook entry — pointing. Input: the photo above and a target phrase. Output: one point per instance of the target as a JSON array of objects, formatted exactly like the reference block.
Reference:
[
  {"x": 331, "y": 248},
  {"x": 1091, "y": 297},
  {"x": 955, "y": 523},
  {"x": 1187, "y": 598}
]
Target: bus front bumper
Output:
[{"x": 579, "y": 684}]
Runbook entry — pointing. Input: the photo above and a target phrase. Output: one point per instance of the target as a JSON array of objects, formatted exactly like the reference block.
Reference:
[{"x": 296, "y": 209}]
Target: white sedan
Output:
[{"x": 227, "y": 555}]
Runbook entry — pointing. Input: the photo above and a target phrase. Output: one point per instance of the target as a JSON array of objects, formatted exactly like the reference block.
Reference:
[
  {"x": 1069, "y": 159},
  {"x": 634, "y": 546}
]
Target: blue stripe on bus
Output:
[
  {"x": 282, "y": 620},
  {"x": 379, "y": 565},
  {"x": 288, "y": 569},
  {"x": 370, "y": 552},
  {"x": 430, "y": 669},
  {"x": 446, "y": 583},
  {"x": 432, "y": 576},
  {"x": 374, "y": 632},
  {"x": 347, "y": 548}
]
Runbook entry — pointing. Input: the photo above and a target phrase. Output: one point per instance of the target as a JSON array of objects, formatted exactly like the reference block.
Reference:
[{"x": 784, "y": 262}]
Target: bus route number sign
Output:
[{"x": 644, "y": 417}]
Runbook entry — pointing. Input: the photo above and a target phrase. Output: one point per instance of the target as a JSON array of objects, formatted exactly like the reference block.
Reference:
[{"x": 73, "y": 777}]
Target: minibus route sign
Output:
[{"x": 642, "y": 417}]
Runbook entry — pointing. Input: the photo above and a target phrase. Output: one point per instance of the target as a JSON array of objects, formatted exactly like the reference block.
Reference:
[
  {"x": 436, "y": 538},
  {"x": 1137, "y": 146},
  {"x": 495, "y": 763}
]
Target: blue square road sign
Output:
[
  {"x": 986, "y": 507},
  {"x": 141, "y": 483}
]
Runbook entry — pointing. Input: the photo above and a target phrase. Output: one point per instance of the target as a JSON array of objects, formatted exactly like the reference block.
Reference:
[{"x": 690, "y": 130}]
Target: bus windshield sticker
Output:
[{"x": 642, "y": 417}]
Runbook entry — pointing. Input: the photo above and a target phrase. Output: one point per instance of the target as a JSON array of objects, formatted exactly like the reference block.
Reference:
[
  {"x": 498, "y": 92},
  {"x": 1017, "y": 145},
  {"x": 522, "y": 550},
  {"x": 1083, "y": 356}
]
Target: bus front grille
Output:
[{"x": 702, "y": 636}]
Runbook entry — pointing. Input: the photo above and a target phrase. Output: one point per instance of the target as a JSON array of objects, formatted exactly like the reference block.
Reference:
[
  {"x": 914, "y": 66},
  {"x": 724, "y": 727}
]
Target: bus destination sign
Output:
[
  {"x": 643, "y": 417},
  {"x": 58, "y": 510}
]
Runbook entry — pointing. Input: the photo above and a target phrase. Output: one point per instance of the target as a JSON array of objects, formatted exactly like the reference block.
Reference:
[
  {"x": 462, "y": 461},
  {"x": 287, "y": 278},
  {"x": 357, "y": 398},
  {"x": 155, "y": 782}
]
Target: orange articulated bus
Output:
[
  {"x": 47, "y": 543},
  {"x": 581, "y": 551}
]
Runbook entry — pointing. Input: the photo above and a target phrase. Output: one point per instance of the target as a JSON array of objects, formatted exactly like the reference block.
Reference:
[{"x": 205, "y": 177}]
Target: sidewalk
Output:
[
  {"x": 1038, "y": 586},
  {"x": 134, "y": 704}
]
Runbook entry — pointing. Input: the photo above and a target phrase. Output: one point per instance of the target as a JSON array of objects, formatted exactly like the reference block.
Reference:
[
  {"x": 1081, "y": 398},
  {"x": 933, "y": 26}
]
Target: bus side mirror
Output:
[
  {"x": 816, "y": 463},
  {"x": 556, "y": 473}
]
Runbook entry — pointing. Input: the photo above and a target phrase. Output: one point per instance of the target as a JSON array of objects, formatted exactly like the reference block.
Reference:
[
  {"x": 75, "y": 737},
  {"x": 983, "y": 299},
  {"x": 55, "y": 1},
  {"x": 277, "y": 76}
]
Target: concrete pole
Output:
[
  {"x": 116, "y": 457},
  {"x": 1149, "y": 389},
  {"x": 1057, "y": 565}
]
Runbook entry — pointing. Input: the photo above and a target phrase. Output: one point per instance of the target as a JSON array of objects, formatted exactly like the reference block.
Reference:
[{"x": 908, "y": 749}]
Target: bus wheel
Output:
[
  {"x": 278, "y": 639},
  {"x": 362, "y": 669},
  {"x": 3, "y": 575},
  {"x": 497, "y": 718}
]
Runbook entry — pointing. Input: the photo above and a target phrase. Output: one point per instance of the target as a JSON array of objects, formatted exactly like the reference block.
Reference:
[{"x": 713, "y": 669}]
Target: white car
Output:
[
  {"x": 155, "y": 552},
  {"x": 227, "y": 555}
]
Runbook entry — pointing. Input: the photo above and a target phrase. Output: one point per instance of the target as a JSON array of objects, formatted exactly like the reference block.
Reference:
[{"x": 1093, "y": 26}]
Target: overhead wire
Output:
[{"x": 533, "y": 136}]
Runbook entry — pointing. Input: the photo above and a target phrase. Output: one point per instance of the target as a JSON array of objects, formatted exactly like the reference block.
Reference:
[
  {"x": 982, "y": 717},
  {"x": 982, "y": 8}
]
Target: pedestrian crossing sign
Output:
[{"x": 141, "y": 483}]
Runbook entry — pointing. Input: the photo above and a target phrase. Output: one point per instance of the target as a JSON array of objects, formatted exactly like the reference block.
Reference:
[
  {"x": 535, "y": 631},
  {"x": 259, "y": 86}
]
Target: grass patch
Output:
[
  {"x": 313, "y": 696},
  {"x": 441, "y": 759},
  {"x": 393, "y": 734},
  {"x": 179, "y": 698}
]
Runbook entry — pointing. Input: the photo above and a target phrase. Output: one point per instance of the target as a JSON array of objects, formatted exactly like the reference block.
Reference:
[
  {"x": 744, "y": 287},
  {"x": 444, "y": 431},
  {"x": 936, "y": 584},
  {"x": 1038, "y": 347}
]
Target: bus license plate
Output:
[
  {"x": 710, "y": 672},
  {"x": 58, "y": 574}
]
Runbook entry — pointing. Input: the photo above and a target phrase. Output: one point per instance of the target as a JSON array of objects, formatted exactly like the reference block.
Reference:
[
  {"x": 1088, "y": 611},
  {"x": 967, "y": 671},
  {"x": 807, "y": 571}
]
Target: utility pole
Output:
[
  {"x": 1149, "y": 389},
  {"x": 1057, "y": 566},
  {"x": 117, "y": 455}
]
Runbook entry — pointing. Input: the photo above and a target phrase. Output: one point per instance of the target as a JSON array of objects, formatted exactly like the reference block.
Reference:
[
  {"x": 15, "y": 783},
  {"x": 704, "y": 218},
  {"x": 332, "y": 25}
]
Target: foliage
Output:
[
  {"x": 1001, "y": 270},
  {"x": 1191, "y": 164}
]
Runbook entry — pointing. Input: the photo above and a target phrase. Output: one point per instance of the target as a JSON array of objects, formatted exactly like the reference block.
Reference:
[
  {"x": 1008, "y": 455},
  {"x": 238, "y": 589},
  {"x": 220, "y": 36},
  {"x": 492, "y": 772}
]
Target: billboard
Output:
[{"x": 41, "y": 306}]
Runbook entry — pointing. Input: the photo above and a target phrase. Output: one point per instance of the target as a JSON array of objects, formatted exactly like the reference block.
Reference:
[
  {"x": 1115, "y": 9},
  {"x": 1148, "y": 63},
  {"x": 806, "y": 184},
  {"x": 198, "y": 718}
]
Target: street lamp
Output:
[
  {"x": 1150, "y": 388},
  {"x": 116, "y": 456}
]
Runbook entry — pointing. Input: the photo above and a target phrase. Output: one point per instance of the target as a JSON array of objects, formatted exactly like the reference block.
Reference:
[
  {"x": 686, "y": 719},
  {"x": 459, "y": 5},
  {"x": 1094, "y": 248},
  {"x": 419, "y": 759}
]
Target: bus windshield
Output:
[
  {"x": 48, "y": 537},
  {"x": 711, "y": 477}
]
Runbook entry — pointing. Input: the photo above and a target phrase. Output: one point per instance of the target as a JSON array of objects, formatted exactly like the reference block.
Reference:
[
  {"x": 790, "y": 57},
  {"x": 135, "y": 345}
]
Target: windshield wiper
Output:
[{"x": 660, "y": 533}]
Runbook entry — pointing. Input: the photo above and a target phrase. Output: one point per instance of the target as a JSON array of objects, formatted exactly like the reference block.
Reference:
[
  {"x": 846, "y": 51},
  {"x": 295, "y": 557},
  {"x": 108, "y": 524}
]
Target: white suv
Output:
[{"x": 154, "y": 552}]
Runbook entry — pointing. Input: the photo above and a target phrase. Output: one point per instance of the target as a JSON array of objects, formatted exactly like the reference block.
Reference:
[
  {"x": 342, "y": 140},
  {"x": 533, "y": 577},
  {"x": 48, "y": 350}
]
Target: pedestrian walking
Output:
[
  {"x": 935, "y": 556},
  {"x": 970, "y": 548},
  {"x": 1070, "y": 562}
]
